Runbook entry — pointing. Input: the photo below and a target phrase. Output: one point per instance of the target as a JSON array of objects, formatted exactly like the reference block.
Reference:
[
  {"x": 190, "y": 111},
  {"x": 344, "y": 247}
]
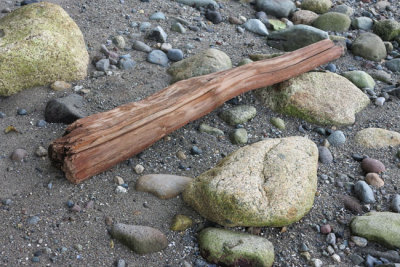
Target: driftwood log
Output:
[{"x": 96, "y": 143}]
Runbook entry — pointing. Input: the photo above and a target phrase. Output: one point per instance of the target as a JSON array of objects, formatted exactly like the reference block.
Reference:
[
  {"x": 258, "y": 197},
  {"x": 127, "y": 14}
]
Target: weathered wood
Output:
[{"x": 94, "y": 144}]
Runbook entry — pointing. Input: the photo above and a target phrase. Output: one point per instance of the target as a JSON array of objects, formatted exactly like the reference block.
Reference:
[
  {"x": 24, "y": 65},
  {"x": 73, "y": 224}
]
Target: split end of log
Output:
[{"x": 96, "y": 143}]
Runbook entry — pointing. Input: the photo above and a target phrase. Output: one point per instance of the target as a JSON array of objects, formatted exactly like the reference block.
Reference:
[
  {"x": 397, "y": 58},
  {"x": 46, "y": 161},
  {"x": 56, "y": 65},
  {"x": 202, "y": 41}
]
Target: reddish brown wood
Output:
[{"x": 94, "y": 144}]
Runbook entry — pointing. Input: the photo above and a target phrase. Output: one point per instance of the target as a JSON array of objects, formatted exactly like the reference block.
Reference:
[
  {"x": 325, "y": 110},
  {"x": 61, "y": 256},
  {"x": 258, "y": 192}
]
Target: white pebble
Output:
[
  {"x": 336, "y": 258},
  {"x": 118, "y": 180},
  {"x": 139, "y": 169},
  {"x": 379, "y": 101},
  {"x": 120, "y": 190},
  {"x": 316, "y": 262}
]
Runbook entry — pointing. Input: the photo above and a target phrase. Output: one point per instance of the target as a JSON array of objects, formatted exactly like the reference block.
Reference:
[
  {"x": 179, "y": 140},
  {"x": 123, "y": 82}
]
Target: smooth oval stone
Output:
[
  {"x": 239, "y": 136},
  {"x": 374, "y": 180},
  {"x": 140, "y": 46},
  {"x": 158, "y": 57},
  {"x": 238, "y": 115},
  {"x": 396, "y": 203},
  {"x": 19, "y": 154},
  {"x": 372, "y": 165},
  {"x": 163, "y": 186},
  {"x": 364, "y": 192},
  {"x": 337, "y": 138},
  {"x": 175, "y": 54},
  {"x": 325, "y": 156},
  {"x": 256, "y": 26}
]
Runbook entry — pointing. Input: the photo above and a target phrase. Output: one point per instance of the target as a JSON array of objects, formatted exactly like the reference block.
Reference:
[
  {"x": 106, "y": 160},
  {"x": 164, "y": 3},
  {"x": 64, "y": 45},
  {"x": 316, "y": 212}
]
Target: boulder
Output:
[
  {"x": 209, "y": 61},
  {"x": 268, "y": 183},
  {"x": 228, "y": 248},
  {"x": 387, "y": 29},
  {"x": 377, "y": 138},
  {"x": 333, "y": 21},
  {"x": 40, "y": 44},
  {"x": 323, "y": 98},
  {"x": 369, "y": 46},
  {"x": 382, "y": 227},
  {"x": 295, "y": 37}
]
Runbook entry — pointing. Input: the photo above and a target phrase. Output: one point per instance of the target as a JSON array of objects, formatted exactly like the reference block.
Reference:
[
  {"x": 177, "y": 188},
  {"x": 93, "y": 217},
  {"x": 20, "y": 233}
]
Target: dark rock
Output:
[
  {"x": 213, "y": 16},
  {"x": 158, "y": 34},
  {"x": 65, "y": 110},
  {"x": 325, "y": 156},
  {"x": 352, "y": 204}
]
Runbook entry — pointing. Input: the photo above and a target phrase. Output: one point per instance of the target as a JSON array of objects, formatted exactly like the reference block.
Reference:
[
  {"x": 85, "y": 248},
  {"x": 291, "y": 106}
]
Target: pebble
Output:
[
  {"x": 60, "y": 86},
  {"x": 359, "y": 241},
  {"x": 195, "y": 150},
  {"x": 118, "y": 180},
  {"x": 70, "y": 203},
  {"x": 119, "y": 41},
  {"x": 395, "y": 205},
  {"x": 103, "y": 64},
  {"x": 35, "y": 259},
  {"x": 337, "y": 138},
  {"x": 278, "y": 123},
  {"x": 33, "y": 220},
  {"x": 239, "y": 136},
  {"x": 126, "y": 63},
  {"x": 139, "y": 169},
  {"x": 181, "y": 155},
  {"x": 331, "y": 239},
  {"x": 175, "y": 54},
  {"x": 181, "y": 223},
  {"x": 325, "y": 229},
  {"x": 22, "y": 111},
  {"x": 121, "y": 263},
  {"x": 7, "y": 202},
  {"x": 380, "y": 101},
  {"x": 76, "y": 208},
  {"x": 352, "y": 204},
  {"x": 374, "y": 180},
  {"x": 317, "y": 262},
  {"x": 157, "y": 16},
  {"x": 41, "y": 152},
  {"x": 120, "y": 190},
  {"x": 164, "y": 186},
  {"x": 66, "y": 109},
  {"x": 2, "y": 115},
  {"x": 158, "y": 57},
  {"x": 144, "y": 26},
  {"x": 6, "y": 10},
  {"x": 372, "y": 261},
  {"x": 331, "y": 67},
  {"x": 325, "y": 156},
  {"x": 165, "y": 47},
  {"x": 140, "y": 46},
  {"x": 158, "y": 34},
  {"x": 213, "y": 16},
  {"x": 28, "y": 2},
  {"x": 356, "y": 259},
  {"x": 372, "y": 165},
  {"x": 19, "y": 154},
  {"x": 256, "y": 26},
  {"x": 178, "y": 27},
  {"x": 336, "y": 258},
  {"x": 364, "y": 192},
  {"x": 41, "y": 123}
]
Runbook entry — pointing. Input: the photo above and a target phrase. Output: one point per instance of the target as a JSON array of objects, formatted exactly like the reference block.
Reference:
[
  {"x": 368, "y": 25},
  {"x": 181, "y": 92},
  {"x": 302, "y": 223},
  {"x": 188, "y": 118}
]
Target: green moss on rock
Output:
[{"x": 41, "y": 44}]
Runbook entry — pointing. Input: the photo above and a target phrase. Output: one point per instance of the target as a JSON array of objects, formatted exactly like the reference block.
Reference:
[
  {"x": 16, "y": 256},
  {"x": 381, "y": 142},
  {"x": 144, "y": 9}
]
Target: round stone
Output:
[
  {"x": 19, "y": 154},
  {"x": 374, "y": 180},
  {"x": 372, "y": 165},
  {"x": 175, "y": 54},
  {"x": 337, "y": 138}
]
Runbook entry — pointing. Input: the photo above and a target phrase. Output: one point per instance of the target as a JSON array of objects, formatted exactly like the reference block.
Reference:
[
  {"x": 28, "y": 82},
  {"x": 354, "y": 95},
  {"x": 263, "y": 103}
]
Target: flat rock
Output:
[
  {"x": 198, "y": 3},
  {"x": 238, "y": 114},
  {"x": 377, "y": 138},
  {"x": 381, "y": 227},
  {"x": 228, "y": 248},
  {"x": 369, "y": 46},
  {"x": 158, "y": 57},
  {"x": 65, "y": 110},
  {"x": 205, "y": 128},
  {"x": 140, "y": 46},
  {"x": 208, "y": 61},
  {"x": 310, "y": 96},
  {"x": 360, "y": 78},
  {"x": 295, "y": 37},
  {"x": 256, "y": 26},
  {"x": 163, "y": 186},
  {"x": 140, "y": 239},
  {"x": 333, "y": 21},
  {"x": 277, "y": 8},
  {"x": 268, "y": 183},
  {"x": 40, "y": 44}
]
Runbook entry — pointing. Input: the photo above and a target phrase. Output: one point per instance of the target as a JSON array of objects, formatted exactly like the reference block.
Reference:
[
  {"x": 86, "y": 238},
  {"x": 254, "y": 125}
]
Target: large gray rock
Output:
[
  {"x": 40, "y": 44},
  {"x": 228, "y": 248},
  {"x": 141, "y": 239},
  {"x": 382, "y": 227},
  {"x": 369, "y": 46},
  {"x": 377, "y": 138},
  {"x": 277, "y": 8},
  {"x": 295, "y": 37},
  {"x": 323, "y": 98},
  {"x": 268, "y": 183},
  {"x": 209, "y": 61}
]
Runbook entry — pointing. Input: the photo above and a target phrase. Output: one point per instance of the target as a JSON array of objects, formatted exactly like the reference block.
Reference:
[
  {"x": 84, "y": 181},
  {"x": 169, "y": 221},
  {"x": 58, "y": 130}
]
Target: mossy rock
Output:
[
  {"x": 228, "y": 248},
  {"x": 317, "y": 6},
  {"x": 387, "y": 29},
  {"x": 41, "y": 44},
  {"x": 360, "y": 78},
  {"x": 369, "y": 46},
  {"x": 333, "y": 21}
]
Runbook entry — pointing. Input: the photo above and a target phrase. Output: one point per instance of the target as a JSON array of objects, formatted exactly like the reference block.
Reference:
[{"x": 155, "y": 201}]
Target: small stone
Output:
[
  {"x": 181, "y": 155},
  {"x": 374, "y": 180},
  {"x": 120, "y": 190},
  {"x": 76, "y": 208},
  {"x": 22, "y": 111},
  {"x": 2, "y": 115},
  {"x": 78, "y": 247},
  {"x": 35, "y": 259},
  {"x": 121, "y": 263},
  {"x": 103, "y": 64},
  {"x": 181, "y": 223},
  {"x": 364, "y": 192},
  {"x": 165, "y": 47},
  {"x": 41, "y": 123},
  {"x": 306, "y": 255},
  {"x": 118, "y": 180},
  {"x": 325, "y": 229},
  {"x": 213, "y": 16},
  {"x": 380, "y": 101},
  {"x": 126, "y": 63},
  {"x": 331, "y": 67},
  {"x": 139, "y": 169},
  {"x": 158, "y": 57},
  {"x": 331, "y": 239},
  {"x": 175, "y": 54},
  {"x": 205, "y": 128},
  {"x": 60, "y": 86},
  {"x": 119, "y": 41},
  {"x": 360, "y": 78},
  {"x": 157, "y": 16},
  {"x": 317, "y": 262},
  {"x": 144, "y": 26},
  {"x": 330, "y": 250},
  {"x": 359, "y": 241},
  {"x": 66, "y": 109},
  {"x": 19, "y": 154},
  {"x": 336, "y": 258},
  {"x": 352, "y": 204},
  {"x": 70, "y": 203},
  {"x": 41, "y": 152},
  {"x": 140, "y": 46},
  {"x": 256, "y": 26},
  {"x": 158, "y": 34},
  {"x": 33, "y": 220},
  {"x": 325, "y": 156},
  {"x": 395, "y": 205},
  {"x": 238, "y": 115},
  {"x": 337, "y": 138},
  {"x": 239, "y": 136},
  {"x": 278, "y": 123},
  {"x": 195, "y": 150},
  {"x": 7, "y": 202},
  {"x": 356, "y": 259},
  {"x": 164, "y": 186},
  {"x": 177, "y": 27},
  {"x": 372, "y": 165}
]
